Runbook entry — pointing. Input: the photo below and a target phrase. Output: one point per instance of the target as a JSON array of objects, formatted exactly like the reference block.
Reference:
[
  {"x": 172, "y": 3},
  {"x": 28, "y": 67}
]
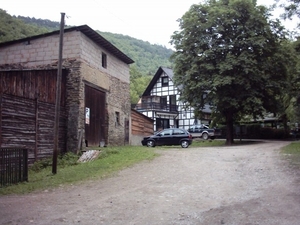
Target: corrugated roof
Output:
[{"x": 89, "y": 32}]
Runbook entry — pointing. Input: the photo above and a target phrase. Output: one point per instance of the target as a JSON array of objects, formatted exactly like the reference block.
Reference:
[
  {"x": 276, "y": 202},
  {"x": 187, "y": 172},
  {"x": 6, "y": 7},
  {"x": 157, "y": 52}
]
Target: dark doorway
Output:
[
  {"x": 173, "y": 107},
  {"x": 94, "y": 116},
  {"x": 162, "y": 124}
]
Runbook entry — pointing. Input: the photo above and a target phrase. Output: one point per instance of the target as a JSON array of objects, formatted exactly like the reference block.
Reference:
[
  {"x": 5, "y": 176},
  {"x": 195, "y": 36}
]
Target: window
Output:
[
  {"x": 165, "y": 81},
  {"x": 104, "y": 60},
  {"x": 117, "y": 123},
  {"x": 166, "y": 132},
  {"x": 87, "y": 115},
  {"x": 163, "y": 102},
  {"x": 178, "y": 132}
]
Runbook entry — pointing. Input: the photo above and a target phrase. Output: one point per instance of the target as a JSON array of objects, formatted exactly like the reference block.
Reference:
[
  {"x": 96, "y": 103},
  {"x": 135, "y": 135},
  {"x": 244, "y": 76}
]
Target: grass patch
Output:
[
  {"x": 111, "y": 160},
  {"x": 293, "y": 148},
  {"x": 207, "y": 143},
  {"x": 292, "y": 153},
  {"x": 220, "y": 143}
]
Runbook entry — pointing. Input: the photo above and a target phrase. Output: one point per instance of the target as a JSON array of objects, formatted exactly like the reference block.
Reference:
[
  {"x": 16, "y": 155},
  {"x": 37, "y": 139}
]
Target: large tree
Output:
[
  {"x": 229, "y": 54},
  {"x": 292, "y": 8}
]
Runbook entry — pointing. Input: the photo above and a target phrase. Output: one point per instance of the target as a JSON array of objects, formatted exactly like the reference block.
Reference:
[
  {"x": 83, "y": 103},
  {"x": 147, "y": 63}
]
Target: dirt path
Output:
[{"x": 242, "y": 185}]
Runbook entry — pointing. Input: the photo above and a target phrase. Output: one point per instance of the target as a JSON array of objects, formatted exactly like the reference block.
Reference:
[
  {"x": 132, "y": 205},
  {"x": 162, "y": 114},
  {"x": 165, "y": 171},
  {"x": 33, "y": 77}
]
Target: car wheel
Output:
[
  {"x": 184, "y": 144},
  {"x": 205, "y": 136},
  {"x": 150, "y": 143}
]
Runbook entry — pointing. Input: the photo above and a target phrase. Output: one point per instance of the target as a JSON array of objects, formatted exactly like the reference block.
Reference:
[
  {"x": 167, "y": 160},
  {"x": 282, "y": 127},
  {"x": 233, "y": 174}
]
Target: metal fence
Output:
[{"x": 13, "y": 166}]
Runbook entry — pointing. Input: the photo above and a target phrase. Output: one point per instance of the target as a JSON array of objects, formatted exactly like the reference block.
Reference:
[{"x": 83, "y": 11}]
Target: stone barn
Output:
[{"x": 95, "y": 97}]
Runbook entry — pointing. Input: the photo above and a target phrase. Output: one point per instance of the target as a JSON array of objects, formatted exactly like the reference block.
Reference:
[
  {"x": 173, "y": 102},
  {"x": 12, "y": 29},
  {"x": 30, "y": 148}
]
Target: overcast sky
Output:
[{"x": 153, "y": 21}]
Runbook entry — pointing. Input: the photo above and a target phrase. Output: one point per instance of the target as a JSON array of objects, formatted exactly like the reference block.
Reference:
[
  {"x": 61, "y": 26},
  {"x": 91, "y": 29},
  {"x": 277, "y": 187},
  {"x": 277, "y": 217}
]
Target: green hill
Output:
[
  {"x": 147, "y": 57},
  {"x": 12, "y": 28}
]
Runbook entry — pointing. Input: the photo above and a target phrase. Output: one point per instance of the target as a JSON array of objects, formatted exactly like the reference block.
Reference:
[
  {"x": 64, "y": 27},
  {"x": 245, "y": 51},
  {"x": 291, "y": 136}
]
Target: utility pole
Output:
[{"x": 58, "y": 94}]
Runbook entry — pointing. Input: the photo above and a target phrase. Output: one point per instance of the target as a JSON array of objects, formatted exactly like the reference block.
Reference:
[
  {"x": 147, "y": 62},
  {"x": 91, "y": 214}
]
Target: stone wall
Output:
[
  {"x": 92, "y": 55},
  {"x": 118, "y": 101}
]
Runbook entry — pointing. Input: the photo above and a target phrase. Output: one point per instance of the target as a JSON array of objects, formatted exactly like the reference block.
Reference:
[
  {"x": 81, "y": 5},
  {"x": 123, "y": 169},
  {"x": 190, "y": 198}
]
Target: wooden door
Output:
[{"x": 94, "y": 116}]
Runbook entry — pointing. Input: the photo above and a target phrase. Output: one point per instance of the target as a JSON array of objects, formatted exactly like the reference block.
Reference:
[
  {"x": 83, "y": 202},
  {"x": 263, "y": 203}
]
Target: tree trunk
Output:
[
  {"x": 229, "y": 128},
  {"x": 285, "y": 125}
]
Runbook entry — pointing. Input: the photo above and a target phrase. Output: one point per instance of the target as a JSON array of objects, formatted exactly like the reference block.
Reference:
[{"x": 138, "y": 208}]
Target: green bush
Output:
[
  {"x": 63, "y": 160},
  {"x": 256, "y": 131},
  {"x": 253, "y": 130}
]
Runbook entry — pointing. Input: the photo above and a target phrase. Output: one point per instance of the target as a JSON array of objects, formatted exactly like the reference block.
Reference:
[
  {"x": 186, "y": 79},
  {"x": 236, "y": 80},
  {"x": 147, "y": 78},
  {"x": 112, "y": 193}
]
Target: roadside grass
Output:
[
  {"x": 198, "y": 142},
  {"x": 292, "y": 152},
  {"x": 111, "y": 160}
]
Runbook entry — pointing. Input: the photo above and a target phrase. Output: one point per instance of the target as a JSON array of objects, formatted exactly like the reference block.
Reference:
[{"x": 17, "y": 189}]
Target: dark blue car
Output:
[{"x": 170, "y": 136}]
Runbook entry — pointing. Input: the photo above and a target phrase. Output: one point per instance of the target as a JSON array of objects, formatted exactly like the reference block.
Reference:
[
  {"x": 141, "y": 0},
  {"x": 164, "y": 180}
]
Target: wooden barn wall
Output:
[
  {"x": 32, "y": 84},
  {"x": 140, "y": 125},
  {"x": 27, "y": 107}
]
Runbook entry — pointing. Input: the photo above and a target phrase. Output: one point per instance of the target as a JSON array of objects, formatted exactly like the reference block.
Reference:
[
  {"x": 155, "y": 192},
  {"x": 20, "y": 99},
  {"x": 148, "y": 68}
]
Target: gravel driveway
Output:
[{"x": 242, "y": 185}]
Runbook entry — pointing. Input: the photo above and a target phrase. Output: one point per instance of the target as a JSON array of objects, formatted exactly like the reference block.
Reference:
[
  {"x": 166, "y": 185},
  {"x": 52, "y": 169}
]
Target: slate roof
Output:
[{"x": 89, "y": 32}]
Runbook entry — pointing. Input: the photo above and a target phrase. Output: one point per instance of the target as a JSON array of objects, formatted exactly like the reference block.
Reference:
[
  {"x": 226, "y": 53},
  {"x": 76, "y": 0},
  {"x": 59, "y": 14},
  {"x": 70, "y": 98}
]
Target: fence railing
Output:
[
  {"x": 156, "y": 106},
  {"x": 13, "y": 166}
]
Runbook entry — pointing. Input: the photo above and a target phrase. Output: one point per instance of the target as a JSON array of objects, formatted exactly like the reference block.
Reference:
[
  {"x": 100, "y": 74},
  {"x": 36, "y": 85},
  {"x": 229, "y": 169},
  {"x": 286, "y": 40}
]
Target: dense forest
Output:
[{"x": 148, "y": 57}]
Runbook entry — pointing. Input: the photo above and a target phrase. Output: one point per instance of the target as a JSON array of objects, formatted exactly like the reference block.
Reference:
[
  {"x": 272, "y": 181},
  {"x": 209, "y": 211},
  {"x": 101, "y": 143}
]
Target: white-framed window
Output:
[{"x": 165, "y": 81}]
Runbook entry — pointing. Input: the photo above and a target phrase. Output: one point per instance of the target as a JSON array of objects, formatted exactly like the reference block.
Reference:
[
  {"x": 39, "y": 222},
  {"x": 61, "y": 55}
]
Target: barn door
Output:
[{"x": 94, "y": 116}]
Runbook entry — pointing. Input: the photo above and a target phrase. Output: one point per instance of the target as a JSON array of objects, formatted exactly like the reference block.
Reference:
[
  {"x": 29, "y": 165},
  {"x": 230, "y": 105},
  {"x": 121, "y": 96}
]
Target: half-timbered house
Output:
[
  {"x": 160, "y": 102},
  {"x": 95, "y": 96}
]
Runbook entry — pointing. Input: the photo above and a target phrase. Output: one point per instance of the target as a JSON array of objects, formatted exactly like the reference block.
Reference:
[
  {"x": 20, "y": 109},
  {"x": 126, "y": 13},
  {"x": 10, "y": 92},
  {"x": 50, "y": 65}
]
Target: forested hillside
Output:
[
  {"x": 13, "y": 28},
  {"x": 148, "y": 57}
]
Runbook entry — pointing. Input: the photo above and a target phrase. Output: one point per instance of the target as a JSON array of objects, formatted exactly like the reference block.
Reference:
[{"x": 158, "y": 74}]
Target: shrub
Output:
[{"x": 63, "y": 160}]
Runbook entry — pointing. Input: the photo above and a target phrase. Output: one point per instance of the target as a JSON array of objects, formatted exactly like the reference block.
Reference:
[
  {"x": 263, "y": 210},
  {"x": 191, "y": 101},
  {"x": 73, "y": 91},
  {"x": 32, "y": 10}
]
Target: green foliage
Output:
[
  {"x": 48, "y": 24},
  {"x": 235, "y": 54},
  {"x": 198, "y": 142},
  {"x": 292, "y": 152},
  {"x": 138, "y": 84},
  {"x": 64, "y": 160},
  {"x": 272, "y": 133},
  {"x": 256, "y": 131},
  {"x": 12, "y": 28},
  {"x": 293, "y": 148},
  {"x": 292, "y": 8},
  {"x": 148, "y": 57}
]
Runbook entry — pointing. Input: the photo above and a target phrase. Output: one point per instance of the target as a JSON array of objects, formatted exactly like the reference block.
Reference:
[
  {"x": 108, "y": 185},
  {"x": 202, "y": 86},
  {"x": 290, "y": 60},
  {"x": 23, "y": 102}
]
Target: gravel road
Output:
[{"x": 240, "y": 185}]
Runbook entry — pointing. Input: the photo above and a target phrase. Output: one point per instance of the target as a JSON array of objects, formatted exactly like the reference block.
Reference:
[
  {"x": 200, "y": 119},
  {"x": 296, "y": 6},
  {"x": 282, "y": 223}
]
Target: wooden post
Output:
[
  {"x": 36, "y": 128},
  {"x": 58, "y": 95},
  {"x": 1, "y": 99}
]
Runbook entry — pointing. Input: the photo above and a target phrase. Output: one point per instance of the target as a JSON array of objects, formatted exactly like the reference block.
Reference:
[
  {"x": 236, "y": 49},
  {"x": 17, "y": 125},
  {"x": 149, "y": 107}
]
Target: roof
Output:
[
  {"x": 160, "y": 70},
  {"x": 89, "y": 32}
]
